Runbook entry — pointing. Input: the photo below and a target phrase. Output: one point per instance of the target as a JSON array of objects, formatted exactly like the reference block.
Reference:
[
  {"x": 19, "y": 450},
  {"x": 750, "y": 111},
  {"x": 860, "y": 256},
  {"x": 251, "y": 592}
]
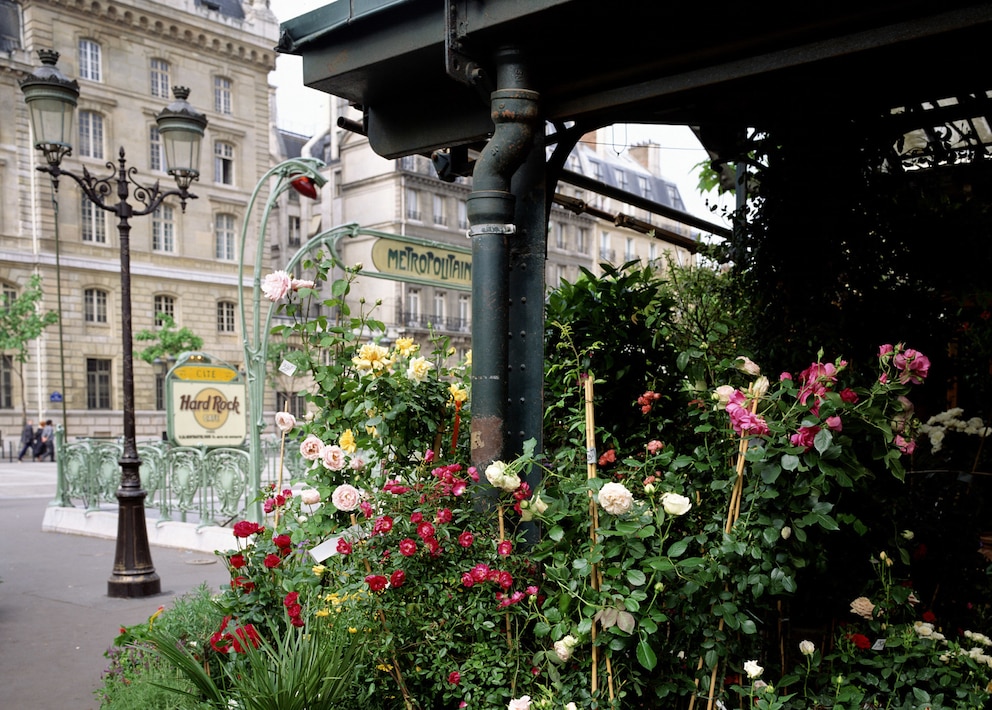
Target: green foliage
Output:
[
  {"x": 167, "y": 340},
  {"x": 21, "y": 321}
]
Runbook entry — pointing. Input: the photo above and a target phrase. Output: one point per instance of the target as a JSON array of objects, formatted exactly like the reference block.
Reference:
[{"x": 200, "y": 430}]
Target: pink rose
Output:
[
  {"x": 654, "y": 446},
  {"x": 913, "y": 366},
  {"x": 804, "y": 437},
  {"x": 310, "y": 448},
  {"x": 285, "y": 421},
  {"x": 346, "y": 497},
  {"x": 310, "y": 496},
  {"x": 297, "y": 284},
  {"x": 332, "y": 457},
  {"x": 906, "y": 446},
  {"x": 276, "y": 285},
  {"x": 834, "y": 423},
  {"x": 408, "y": 547}
]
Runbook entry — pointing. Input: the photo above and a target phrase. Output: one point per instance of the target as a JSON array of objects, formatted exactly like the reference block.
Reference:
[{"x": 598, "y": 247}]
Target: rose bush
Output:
[{"x": 646, "y": 573}]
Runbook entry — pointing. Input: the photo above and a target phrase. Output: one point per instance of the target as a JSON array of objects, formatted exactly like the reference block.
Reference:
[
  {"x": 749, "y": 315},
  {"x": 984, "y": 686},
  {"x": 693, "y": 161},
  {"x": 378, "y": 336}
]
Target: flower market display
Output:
[{"x": 724, "y": 548}]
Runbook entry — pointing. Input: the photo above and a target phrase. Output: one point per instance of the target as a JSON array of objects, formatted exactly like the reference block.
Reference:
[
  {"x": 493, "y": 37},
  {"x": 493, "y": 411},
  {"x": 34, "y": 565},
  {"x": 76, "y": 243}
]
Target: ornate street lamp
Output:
[{"x": 51, "y": 98}]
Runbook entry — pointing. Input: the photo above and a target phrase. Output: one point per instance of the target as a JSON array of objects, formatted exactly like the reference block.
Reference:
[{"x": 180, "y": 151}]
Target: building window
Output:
[
  {"x": 92, "y": 222},
  {"x": 159, "y": 391},
  {"x": 440, "y": 300},
  {"x": 559, "y": 235},
  {"x": 645, "y": 185},
  {"x": 292, "y": 403},
  {"x": 6, "y": 382},
  {"x": 293, "y": 237},
  {"x": 224, "y": 237},
  {"x": 225, "y": 316},
  {"x": 604, "y": 247},
  {"x": 222, "y": 95},
  {"x": 94, "y": 305},
  {"x": 629, "y": 253},
  {"x": 164, "y": 306},
  {"x": 90, "y": 134},
  {"x": 97, "y": 383},
  {"x": 160, "y": 78},
  {"x": 223, "y": 163},
  {"x": 597, "y": 170},
  {"x": 464, "y": 312},
  {"x": 621, "y": 177},
  {"x": 462, "y": 215},
  {"x": 439, "y": 212},
  {"x": 164, "y": 230},
  {"x": 156, "y": 151},
  {"x": 412, "y": 204},
  {"x": 582, "y": 240},
  {"x": 412, "y": 307},
  {"x": 89, "y": 60}
]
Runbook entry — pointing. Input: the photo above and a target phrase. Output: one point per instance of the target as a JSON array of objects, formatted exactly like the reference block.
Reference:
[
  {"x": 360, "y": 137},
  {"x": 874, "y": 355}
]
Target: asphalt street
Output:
[{"x": 56, "y": 620}]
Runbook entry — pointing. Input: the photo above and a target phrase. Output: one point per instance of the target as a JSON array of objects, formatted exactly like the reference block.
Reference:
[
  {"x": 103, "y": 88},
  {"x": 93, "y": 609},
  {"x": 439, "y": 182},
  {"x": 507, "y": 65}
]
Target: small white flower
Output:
[
  {"x": 675, "y": 504},
  {"x": 753, "y": 670},
  {"x": 807, "y": 648},
  {"x": 564, "y": 647},
  {"x": 908, "y": 535},
  {"x": 786, "y": 532}
]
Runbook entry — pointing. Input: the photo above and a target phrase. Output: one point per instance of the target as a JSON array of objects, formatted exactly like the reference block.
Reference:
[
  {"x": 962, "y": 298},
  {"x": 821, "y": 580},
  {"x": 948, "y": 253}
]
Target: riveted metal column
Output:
[
  {"x": 528, "y": 252},
  {"x": 491, "y": 219}
]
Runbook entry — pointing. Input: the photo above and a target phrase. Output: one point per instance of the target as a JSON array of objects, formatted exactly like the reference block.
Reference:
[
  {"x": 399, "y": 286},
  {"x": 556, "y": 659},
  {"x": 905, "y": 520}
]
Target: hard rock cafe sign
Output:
[{"x": 206, "y": 403}]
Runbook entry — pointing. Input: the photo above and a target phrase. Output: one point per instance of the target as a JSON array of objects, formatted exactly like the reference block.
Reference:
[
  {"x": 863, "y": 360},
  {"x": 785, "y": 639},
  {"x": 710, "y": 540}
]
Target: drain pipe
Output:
[{"x": 490, "y": 215}]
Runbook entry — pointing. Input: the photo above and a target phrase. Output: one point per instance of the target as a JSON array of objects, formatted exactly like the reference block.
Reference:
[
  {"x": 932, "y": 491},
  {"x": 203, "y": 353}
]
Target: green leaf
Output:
[
  {"x": 678, "y": 548},
  {"x": 646, "y": 655},
  {"x": 790, "y": 462},
  {"x": 636, "y": 577}
]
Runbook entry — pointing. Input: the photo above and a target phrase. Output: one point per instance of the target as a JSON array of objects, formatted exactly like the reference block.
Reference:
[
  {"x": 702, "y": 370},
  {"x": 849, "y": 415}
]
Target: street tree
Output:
[{"x": 22, "y": 320}]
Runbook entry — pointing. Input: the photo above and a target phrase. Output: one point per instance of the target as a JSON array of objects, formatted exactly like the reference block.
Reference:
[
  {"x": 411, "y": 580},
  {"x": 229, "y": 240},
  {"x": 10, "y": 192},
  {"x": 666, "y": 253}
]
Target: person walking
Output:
[
  {"x": 47, "y": 441},
  {"x": 27, "y": 440}
]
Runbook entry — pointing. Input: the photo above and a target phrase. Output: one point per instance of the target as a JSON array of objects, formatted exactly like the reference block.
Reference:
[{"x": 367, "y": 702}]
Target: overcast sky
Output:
[{"x": 302, "y": 110}]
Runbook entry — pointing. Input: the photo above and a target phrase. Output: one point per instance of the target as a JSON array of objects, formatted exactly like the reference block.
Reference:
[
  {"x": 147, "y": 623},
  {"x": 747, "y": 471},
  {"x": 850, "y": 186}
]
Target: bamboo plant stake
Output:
[
  {"x": 733, "y": 514},
  {"x": 593, "y": 525}
]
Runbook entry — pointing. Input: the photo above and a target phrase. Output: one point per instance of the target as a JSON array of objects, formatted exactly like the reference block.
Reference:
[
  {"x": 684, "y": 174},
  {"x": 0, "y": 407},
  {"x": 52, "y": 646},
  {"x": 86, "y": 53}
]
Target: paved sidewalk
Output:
[{"x": 56, "y": 619}]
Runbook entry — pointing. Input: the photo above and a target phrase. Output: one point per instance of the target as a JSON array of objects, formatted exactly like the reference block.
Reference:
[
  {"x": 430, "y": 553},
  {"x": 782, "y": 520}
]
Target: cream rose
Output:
[
  {"x": 615, "y": 498},
  {"x": 675, "y": 504},
  {"x": 310, "y": 448},
  {"x": 346, "y": 497},
  {"x": 564, "y": 647},
  {"x": 863, "y": 607},
  {"x": 753, "y": 670},
  {"x": 276, "y": 285},
  {"x": 332, "y": 457},
  {"x": 747, "y": 366},
  {"x": 310, "y": 496},
  {"x": 285, "y": 421},
  {"x": 521, "y": 703},
  {"x": 807, "y": 648},
  {"x": 418, "y": 369}
]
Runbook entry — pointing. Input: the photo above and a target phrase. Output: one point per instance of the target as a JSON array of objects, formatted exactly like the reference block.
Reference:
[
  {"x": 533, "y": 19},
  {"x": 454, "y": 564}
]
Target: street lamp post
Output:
[{"x": 51, "y": 98}]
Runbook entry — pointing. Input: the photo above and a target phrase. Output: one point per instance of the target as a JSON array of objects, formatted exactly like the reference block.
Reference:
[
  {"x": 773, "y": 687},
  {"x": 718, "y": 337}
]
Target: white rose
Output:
[
  {"x": 753, "y": 670},
  {"x": 310, "y": 496},
  {"x": 723, "y": 393},
  {"x": 285, "y": 421},
  {"x": 786, "y": 532},
  {"x": 807, "y": 648},
  {"x": 564, "y": 647},
  {"x": 521, "y": 703},
  {"x": 760, "y": 386},
  {"x": 495, "y": 472},
  {"x": 616, "y": 499},
  {"x": 346, "y": 497},
  {"x": 675, "y": 504},
  {"x": 418, "y": 369},
  {"x": 571, "y": 706},
  {"x": 747, "y": 366},
  {"x": 528, "y": 508}
]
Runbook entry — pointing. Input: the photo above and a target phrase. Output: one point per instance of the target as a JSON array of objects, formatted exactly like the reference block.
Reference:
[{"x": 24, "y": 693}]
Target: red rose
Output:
[
  {"x": 294, "y": 611},
  {"x": 376, "y": 582},
  {"x": 425, "y": 530},
  {"x": 343, "y": 547},
  {"x": 861, "y": 641},
  {"x": 290, "y": 599},
  {"x": 296, "y": 621},
  {"x": 397, "y": 578},
  {"x": 433, "y": 546},
  {"x": 237, "y": 561},
  {"x": 929, "y": 617},
  {"x": 248, "y": 634},
  {"x": 444, "y": 515},
  {"x": 382, "y": 525},
  {"x": 408, "y": 547},
  {"x": 416, "y": 518},
  {"x": 466, "y": 539},
  {"x": 454, "y": 677},
  {"x": 505, "y": 580},
  {"x": 282, "y": 541},
  {"x": 468, "y": 580},
  {"x": 246, "y": 528},
  {"x": 272, "y": 561},
  {"x": 243, "y": 583},
  {"x": 480, "y": 573},
  {"x": 504, "y": 548}
]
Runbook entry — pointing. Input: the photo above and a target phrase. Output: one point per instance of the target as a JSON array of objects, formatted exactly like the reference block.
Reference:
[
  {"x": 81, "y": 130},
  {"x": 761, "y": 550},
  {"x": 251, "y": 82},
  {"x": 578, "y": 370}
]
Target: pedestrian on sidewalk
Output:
[
  {"x": 47, "y": 441},
  {"x": 27, "y": 440}
]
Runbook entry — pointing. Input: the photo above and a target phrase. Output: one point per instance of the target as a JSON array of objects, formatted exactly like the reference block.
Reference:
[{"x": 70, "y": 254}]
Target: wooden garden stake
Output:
[
  {"x": 733, "y": 514},
  {"x": 593, "y": 525}
]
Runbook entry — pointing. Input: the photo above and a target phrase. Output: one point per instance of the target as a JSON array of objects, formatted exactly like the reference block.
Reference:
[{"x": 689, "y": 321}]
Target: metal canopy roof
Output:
[{"x": 421, "y": 68}]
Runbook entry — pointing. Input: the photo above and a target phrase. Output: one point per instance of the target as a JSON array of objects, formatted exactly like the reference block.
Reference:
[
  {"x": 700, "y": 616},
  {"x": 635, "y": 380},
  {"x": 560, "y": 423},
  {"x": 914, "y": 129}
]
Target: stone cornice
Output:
[{"x": 189, "y": 27}]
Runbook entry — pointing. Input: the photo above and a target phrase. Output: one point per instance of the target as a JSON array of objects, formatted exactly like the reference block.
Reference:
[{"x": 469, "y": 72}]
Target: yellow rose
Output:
[
  {"x": 406, "y": 347},
  {"x": 347, "y": 441},
  {"x": 458, "y": 393}
]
